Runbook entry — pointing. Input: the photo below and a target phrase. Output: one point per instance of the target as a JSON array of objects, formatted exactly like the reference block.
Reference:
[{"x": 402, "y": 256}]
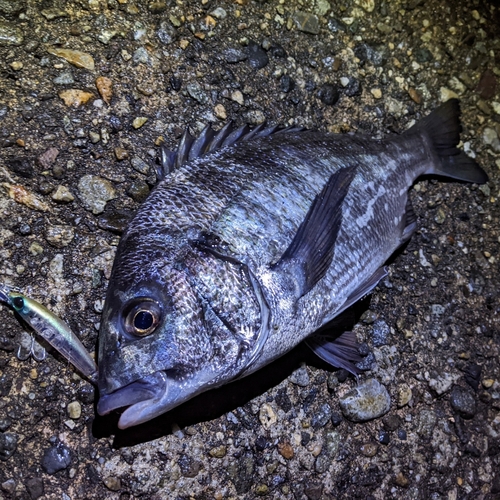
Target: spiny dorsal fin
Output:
[
  {"x": 209, "y": 141},
  {"x": 310, "y": 253}
]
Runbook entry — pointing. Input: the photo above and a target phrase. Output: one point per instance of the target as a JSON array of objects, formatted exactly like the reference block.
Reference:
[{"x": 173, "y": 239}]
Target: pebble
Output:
[
  {"x": 490, "y": 138},
  {"x": 74, "y": 410},
  {"x": 21, "y": 195},
  {"x": 233, "y": 56},
  {"x": 257, "y": 56},
  {"x": 120, "y": 153},
  {"x": 402, "y": 480},
  {"x": 56, "y": 458},
  {"x": 9, "y": 486},
  {"x": 8, "y": 445},
  {"x": 237, "y": 96},
  {"x": 404, "y": 395},
  {"x": 447, "y": 94},
  {"x": 74, "y": 57},
  {"x": 267, "y": 416},
  {"x": 139, "y": 165},
  {"x": 60, "y": 236},
  {"x": 218, "y": 451},
  {"x": 367, "y": 401},
  {"x": 487, "y": 84},
  {"x": 53, "y": 13},
  {"x": 321, "y": 417},
  {"x": 95, "y": 192},
  {"x": 115, "y": 220},
  {"x": 462, "y": 400},
  {"x": 306, "y": 22},
  {"x": 443, "y": 383},
  {"x": 75, "y": 97},
  {"x": 220, "y": 111},
  {"x": 427, "y": 420},
  {"x": 197, "y": 93},
  {"x": 286, "y": 84},
  {"x": 45, "y": 160},
  {"x": 139, "y": 122},
  {"x": 34, "y": 486},
  {"x": 328, "y": 94},
  {"x": 285, "y": 449},
  {"x": 65, "y": 78},
  {"x": 377, "y": 93},
  {"x": 10, "y": 34},
  {"x": 300, "y": 377},
  {"x": 21, "y": 167},
  {"x": 138, "y": 190},
  {"x": 105, "y": 88},
  {"x": 380, "y": 333},
  {"x": 368, "y": 449},
  {"x": 112, "y": 483}
]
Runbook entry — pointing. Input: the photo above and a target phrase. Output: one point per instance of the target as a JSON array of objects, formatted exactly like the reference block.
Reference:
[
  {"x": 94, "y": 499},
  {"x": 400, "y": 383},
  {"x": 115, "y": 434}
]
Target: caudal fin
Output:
[{"x": 443, "y": 128}]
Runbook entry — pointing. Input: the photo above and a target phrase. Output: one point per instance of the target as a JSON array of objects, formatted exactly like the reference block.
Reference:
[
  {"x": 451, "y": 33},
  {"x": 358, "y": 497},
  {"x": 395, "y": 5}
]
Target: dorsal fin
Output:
[{"x": 209, "y": 141}]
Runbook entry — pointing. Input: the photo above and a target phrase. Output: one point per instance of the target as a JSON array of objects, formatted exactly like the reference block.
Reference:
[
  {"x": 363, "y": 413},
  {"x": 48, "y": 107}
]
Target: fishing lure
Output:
[{"x": 51, "y": 328}]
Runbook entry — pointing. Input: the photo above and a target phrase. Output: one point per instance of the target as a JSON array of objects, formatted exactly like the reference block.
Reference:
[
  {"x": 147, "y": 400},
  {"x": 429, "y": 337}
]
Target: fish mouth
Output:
[{"x": 141, "y": 399}]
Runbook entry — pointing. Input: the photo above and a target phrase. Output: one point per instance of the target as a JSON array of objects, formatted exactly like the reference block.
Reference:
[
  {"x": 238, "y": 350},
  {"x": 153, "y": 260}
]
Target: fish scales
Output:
[{"x": 240, "y": 254}]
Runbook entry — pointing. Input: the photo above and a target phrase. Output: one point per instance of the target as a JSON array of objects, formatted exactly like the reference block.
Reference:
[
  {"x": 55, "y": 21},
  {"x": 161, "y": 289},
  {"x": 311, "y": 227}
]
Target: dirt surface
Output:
[{"x": 78, "y": 141}]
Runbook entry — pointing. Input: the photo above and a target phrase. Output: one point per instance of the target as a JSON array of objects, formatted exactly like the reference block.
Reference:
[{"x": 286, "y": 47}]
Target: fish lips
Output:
[{"x": 142, "y": 400}]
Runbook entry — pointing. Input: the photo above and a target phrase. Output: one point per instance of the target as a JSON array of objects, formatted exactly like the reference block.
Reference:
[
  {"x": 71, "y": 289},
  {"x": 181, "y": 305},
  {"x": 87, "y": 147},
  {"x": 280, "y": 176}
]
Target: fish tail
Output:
[{"x": 443, "y": 129}]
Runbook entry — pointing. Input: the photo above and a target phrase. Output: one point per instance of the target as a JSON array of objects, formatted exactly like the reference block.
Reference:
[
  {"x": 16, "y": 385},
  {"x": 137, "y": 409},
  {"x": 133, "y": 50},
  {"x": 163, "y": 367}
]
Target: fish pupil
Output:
[
  {"x": 143, "y": 320},
  {"x": 18, "y": 302}
]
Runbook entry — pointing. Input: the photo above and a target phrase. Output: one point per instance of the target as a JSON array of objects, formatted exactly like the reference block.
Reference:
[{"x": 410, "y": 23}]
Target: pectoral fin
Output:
[{"x": 310, "y": 253}]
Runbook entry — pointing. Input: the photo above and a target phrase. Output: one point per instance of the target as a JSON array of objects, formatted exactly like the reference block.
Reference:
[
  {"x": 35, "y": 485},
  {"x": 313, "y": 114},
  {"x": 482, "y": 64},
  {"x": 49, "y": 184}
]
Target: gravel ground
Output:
[{"x": 78, "y": 137}]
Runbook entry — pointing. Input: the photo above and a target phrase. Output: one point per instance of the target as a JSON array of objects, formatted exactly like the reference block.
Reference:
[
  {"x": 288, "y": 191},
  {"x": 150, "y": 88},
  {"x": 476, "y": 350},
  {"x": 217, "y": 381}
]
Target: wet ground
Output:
[{"x": 78, "y": 140}]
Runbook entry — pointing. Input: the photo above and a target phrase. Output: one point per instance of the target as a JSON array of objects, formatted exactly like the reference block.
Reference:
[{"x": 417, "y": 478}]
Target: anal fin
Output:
[
  {"x": 340, "y": 352},
  {"x": 310, "y": 253}
]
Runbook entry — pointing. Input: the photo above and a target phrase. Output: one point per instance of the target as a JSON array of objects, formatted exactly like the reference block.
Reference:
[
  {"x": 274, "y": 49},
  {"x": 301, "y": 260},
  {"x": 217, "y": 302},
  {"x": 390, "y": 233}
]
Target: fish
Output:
[
  {"x": 52, "y": 329},
  {"x": 251, "y": 242}
]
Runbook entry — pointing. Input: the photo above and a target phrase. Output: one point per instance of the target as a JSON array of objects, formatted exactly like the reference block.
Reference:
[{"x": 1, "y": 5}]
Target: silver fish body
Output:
[{"x": 240, "y": 254}]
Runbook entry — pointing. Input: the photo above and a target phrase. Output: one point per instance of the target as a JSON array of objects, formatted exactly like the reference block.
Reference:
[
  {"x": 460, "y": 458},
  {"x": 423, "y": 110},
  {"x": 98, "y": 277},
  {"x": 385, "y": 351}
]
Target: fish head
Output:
[{"x": 160, "y": 342}]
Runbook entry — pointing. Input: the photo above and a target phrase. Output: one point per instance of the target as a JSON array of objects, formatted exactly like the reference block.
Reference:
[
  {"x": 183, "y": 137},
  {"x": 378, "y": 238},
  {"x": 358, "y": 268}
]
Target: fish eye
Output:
[
  {"x": 142, "y": 317},
  {"x": 18, "y": 303}
]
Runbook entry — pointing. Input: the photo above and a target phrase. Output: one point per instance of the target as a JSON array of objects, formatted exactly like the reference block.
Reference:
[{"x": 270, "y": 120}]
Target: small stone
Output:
[
  {"x": 65, "y": 78},
  {"x": 415, "y": 95},
  {"x": 487, "y": 84},
  {"x": 9, "y": 486},
  {"x": 95, "y": 192},
  {"x": 94, "y": 137},
  {"x": 62, "y": 194},
  {"x": 380, "y": 333},
  {"x": 488, "y": 382},
  {"x": 321, "y": 417},
  {"x": 120, "y": 153},
  {"x": 10, "y": 34},
  {"x": 56, "y": 458},
  {"x": 377, "y": 93},
  {"x": 328, "y": 94},
  {"x": 21, "y": 167},
  {"x": 220, "y": 111},
  {"x": 35, "y": 249},
  {"x": 74, "y": 57},
  {"x": 367, "y": 401},
  {"x": 462, "y": 400},
  {"x": 112, "y": 483},
  {"x": 306, "y": 22},
  {"x": 139, "y": 165},
  {"x": 8, "y": 445},
  {"x": 368, "y": 449},
  {"x": 233, "y": 56},
  {"x": 490, "y": 138},
  {"x": 257, "y": 56},
  {"x": 368, "y": 5},
  {"x": 404, "y": 395},
  {"x": 402, "y": 480},
  {"x": 237, "y": 96},
  {"x": 285, "y": 450},
  {"x": 197, "y": 93},
  {"x": 53, "y": 13},
  {"x": 16, "y": 65},
  {"x": 427, "y": 420},
  {"x": 443, "y": 382},
  {"x": 139, "y": 122},
  {"x": 267, "y": 416},
  {"x": 21, "y": 195},
  {"x": 45, "y": 160},
  {"x": 300, "y": 377},
  {"x": 138, "y": 190},
  {"x": 34, "y": 486},
  {"x": 60, "y": 236},
  {"x": 218, "y": 451},
  {"x": 105, "y": 88},
  {"x": 261, "y": 490},
  {"x": 74, "y": 410},
  {"x": 75, "y": 97},
  {"x": 447, "y": 94},
  {"x": 255, "y": 117},
  {"x": 286, "y": 84}
]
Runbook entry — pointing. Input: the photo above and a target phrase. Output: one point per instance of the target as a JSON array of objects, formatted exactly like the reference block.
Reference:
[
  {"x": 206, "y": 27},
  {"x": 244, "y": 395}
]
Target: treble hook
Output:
[{"x": 37, "y": 354}]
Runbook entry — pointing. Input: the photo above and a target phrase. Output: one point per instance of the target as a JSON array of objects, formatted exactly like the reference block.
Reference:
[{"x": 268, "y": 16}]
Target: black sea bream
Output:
[{"x": 254, "y": 241}]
